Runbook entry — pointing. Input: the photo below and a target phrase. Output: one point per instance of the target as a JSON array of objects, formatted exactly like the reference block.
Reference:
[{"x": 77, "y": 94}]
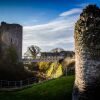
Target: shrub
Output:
[{"x": 11, "y": 68}]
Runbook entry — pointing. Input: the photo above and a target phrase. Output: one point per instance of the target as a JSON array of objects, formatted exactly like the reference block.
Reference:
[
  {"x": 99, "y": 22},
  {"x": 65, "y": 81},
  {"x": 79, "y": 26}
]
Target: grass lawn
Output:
[{"x": 57, "y": 89}]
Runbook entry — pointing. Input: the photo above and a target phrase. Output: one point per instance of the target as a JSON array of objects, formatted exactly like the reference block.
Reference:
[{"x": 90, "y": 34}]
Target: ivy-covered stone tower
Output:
[{"x": 87, "y": 53}]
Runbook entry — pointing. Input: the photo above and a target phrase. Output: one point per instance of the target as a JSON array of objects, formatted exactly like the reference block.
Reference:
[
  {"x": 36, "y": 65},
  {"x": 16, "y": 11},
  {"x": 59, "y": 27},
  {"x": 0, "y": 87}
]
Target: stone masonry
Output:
[
  {"x": 87, "y": 55},
  {"x": 11, "y": 34}
]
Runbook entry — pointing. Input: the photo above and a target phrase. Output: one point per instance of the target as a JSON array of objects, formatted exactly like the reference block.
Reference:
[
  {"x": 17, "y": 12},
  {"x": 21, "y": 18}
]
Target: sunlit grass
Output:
[{"x": 57, "y": 89}]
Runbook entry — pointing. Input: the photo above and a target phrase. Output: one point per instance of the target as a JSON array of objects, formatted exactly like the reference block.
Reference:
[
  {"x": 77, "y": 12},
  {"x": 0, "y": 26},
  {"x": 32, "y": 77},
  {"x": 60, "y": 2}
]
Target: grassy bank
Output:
[{"x": 57, "y": 89}]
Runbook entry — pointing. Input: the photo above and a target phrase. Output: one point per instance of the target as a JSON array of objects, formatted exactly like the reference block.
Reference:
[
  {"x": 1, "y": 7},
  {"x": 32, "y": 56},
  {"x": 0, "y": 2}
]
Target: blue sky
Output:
[{"x": 46, "y": 23}]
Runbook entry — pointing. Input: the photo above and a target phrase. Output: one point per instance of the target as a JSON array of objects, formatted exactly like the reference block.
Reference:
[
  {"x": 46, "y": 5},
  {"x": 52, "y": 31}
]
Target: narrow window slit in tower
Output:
[{"x": 11, "y": 41}]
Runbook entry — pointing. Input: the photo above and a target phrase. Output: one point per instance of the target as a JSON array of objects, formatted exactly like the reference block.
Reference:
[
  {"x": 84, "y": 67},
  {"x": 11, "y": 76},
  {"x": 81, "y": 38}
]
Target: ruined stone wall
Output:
[
  {"x": 0, "y": 45},
  {"x": 87, "y": 55},
  {"x": 11, "y": 34}
]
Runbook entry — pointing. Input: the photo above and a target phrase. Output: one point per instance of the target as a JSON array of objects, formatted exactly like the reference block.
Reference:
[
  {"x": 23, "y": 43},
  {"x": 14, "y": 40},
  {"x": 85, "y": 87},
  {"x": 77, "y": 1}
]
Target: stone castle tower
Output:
[
  {"x": 87, "y": 52},
  {"x": 11, "y": 34}
]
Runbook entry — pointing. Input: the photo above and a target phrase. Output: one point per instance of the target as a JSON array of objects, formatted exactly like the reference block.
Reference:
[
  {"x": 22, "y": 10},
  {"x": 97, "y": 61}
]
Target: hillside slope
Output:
[{"x": 57, "y": 89}]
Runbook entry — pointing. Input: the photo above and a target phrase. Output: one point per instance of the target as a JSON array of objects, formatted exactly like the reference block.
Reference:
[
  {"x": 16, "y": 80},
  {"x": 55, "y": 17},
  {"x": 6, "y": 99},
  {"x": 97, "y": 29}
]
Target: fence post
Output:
[
  {"x": 8, "y": 84},
  {"x": 28, "y": 82},
  {"x": 1, "y": 84},
  {"x": 21, "y": 83},
  {"x": 66, "y": 71},
  {"x": 15, "y": 84}
]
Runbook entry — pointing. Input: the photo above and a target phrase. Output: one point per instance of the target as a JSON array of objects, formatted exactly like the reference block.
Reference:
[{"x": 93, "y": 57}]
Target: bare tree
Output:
[{"x": 32, "y": 51}]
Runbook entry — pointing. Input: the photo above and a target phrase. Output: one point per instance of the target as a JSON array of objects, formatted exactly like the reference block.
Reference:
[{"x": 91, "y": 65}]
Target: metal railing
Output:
[
  {"x": 41, "y": 59},
  {"x": 17, "y": 84}
]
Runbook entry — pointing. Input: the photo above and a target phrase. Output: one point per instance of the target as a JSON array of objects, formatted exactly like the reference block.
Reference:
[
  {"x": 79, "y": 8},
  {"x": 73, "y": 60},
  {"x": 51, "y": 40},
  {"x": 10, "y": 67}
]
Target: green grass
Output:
[{"x": 57, "y": 89}]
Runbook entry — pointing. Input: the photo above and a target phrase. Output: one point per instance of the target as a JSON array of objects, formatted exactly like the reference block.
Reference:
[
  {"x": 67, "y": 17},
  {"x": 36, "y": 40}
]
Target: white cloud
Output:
[
  {"x": 57, "y": 33},
  {"x": 84, "y": 4},
  {"x": 70, "y": 12}
]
